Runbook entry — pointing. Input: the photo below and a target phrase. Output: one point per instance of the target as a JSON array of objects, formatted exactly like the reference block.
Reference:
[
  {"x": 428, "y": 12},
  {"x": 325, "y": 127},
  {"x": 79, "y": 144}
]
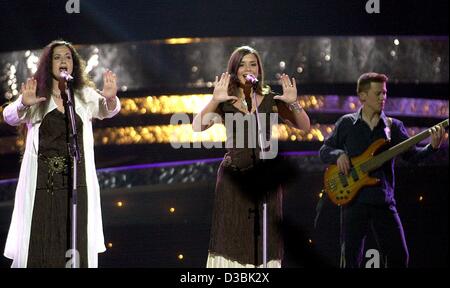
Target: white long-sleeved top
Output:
[{"x": 90, "y": 105}]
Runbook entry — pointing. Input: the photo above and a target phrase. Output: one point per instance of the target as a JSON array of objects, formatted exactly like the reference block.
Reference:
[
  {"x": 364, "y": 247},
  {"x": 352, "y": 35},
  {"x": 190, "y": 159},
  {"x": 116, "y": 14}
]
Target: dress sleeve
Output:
[
  {"x": 98, "y": 106},
  {"x": 11, "y": 114}
]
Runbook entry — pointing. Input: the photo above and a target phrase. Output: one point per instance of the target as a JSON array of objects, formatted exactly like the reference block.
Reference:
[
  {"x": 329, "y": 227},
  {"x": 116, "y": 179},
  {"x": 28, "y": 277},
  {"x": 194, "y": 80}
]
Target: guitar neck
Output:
[{"x": 381, "y": 158}]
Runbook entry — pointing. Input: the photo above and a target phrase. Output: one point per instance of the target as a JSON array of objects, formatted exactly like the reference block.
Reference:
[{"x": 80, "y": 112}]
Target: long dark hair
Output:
[
  {"x": 44, "y": 77},
  {"x": 233, "y": 66}
]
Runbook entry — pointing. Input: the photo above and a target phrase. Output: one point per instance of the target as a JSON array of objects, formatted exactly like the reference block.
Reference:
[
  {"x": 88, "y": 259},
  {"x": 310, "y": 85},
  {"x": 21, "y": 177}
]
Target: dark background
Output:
[{"x": 29, "y": 24}]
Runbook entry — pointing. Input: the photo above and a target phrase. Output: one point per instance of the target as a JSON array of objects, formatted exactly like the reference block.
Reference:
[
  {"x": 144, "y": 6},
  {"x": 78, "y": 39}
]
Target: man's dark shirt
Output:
[{"x": 353, "y": 136}]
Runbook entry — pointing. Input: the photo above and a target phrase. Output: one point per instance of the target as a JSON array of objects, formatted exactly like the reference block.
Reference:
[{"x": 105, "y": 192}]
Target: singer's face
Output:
[
  {"x": 248, "y": 65},
  {"x": 62, "y": 60}
]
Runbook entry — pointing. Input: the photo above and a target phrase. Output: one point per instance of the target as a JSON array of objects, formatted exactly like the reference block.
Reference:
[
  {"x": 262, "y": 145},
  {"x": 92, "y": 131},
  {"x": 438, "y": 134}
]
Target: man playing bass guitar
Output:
[{"x": 373, "y": 204}]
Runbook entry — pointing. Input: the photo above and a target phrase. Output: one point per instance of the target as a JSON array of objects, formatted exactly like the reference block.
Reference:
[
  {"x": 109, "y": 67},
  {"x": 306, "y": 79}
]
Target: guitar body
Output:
[{"x": 342, "y": 189}]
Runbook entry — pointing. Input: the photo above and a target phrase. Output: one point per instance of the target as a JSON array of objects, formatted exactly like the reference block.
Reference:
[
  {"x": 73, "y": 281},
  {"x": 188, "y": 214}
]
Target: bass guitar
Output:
[{"x": 341, "y": 189}]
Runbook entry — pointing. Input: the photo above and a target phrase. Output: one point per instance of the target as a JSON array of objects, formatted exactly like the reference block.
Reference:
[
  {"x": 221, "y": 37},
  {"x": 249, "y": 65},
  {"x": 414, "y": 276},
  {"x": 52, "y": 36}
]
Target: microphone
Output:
[
  {"x": 251, "y": 78},
  {"x": 66, "y": 76}
]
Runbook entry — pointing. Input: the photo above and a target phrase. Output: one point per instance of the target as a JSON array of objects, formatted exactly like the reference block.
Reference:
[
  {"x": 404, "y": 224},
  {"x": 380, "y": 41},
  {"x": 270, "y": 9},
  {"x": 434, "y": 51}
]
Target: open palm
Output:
[
  {"x": 220, "y": 93},
  {"x": 289, "y": 90},
  {"x": 109, "y": 84},
  {"x": 28, "y": 91}
]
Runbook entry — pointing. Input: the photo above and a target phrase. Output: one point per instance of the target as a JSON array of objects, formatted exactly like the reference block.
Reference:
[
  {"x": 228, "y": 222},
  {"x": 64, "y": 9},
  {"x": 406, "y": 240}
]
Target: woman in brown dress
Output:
[{"x": 245, "y": 179}]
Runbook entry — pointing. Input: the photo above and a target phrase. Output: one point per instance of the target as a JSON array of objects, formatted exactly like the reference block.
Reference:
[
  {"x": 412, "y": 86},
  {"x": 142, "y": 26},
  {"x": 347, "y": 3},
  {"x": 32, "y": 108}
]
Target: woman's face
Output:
[
  {"x": 61, "y": 60},
  {"x": 248, "y": 65}
]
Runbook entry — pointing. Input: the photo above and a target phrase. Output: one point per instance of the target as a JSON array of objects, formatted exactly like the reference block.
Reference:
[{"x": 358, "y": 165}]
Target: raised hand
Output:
[
  {"x": 289, "y": 90},
  {"x": 28, "y": 91},
  {"x": 109, "y": 84},
  {"x": 220, "y": 93}
]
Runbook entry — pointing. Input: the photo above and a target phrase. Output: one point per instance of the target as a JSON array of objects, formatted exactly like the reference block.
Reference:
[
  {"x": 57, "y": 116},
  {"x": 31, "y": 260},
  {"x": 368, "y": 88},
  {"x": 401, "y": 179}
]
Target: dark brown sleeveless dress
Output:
[
  {"x": 236, "y": 231},
  {"x": 51, "y": 222}
]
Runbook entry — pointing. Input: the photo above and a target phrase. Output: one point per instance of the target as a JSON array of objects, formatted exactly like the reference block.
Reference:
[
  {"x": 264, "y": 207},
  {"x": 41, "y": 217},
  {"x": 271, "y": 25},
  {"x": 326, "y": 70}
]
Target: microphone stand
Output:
[
  {"x": 263, "y": 156},
  {"x": 74, "y": 151}
]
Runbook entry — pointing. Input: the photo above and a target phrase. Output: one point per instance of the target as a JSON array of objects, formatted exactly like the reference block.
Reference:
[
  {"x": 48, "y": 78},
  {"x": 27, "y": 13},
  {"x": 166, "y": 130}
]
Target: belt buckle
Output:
[{"x": 57, "y": 164}]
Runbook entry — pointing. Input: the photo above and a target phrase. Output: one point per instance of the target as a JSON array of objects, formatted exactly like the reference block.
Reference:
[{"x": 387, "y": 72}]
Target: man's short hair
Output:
[{"x": 365, "y": 79}]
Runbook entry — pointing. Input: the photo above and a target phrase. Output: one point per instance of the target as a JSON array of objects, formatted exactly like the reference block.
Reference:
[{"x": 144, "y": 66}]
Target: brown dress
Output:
[
  {"x": 241, "y": 187},
  {"x": 51, "y": 222}
]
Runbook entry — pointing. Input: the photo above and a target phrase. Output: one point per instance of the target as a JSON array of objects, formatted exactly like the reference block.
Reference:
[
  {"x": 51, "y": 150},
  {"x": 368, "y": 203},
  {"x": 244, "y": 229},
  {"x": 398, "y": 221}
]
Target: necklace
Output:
[{"x": 56, "y": 94}]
